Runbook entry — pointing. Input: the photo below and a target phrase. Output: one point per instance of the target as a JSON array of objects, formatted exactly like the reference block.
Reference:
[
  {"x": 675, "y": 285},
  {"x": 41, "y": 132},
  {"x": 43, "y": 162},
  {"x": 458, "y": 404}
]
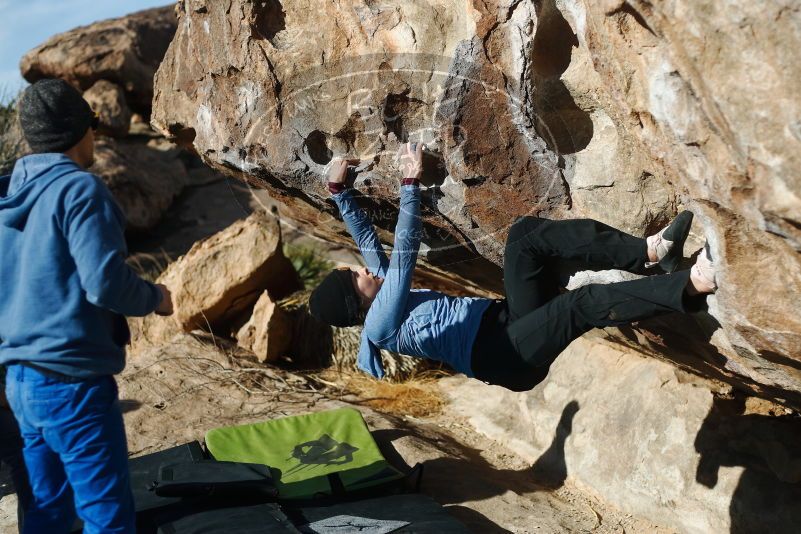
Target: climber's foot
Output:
[
  {"x": 702, "y": 274},
  {"x": 665, "y": 248}
]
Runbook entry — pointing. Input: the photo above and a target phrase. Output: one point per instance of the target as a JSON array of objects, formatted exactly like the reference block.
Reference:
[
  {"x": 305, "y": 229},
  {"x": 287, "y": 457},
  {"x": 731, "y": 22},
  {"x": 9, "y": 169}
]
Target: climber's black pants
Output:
[{"x": 521, "y": 336}]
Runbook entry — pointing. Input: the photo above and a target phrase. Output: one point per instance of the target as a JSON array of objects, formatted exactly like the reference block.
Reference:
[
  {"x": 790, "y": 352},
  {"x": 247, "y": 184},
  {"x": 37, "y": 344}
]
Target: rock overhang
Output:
[{"x": 555, "y": 109}]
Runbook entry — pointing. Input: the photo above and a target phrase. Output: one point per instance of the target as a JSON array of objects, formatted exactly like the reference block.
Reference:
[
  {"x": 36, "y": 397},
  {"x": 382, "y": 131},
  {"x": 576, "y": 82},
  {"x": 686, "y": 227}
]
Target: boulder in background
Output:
[
  {"x": 144, "y": 179},
  {"x": 108, "y": 102},
  {"x": 126, "y": 51}
]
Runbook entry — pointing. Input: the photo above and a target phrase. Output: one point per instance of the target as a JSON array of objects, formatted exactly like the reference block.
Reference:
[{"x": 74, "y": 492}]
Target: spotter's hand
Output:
[{"x": 166, "y": 306}]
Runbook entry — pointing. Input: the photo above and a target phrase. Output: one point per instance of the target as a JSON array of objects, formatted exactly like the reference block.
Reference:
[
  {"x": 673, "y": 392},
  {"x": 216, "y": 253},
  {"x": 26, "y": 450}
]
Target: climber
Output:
[
  {"x": 64, "y": 291},
  {"x": 510, "y": 342}
]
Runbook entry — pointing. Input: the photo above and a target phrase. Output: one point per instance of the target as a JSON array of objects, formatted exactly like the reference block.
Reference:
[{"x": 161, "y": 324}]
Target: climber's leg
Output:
[
  {"x": 518, "y": 355},
  {"x": 540, "y": 336},
  {"x": 535, "y": 245}
]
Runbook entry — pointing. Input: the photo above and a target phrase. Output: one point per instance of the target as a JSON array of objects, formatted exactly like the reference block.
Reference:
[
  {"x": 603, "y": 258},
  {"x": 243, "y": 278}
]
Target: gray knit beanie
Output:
[
  {"x": 54, "y": 116},
  {"x": 335, "y": 301}
]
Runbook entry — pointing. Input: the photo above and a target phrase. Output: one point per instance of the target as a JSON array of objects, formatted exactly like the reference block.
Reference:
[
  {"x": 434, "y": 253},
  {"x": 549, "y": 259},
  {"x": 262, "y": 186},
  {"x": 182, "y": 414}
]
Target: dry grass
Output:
[
  {"x": 418, "y": 397},
  {"x": 225, "y": 362},
  {"x": 199, "y": 360}
]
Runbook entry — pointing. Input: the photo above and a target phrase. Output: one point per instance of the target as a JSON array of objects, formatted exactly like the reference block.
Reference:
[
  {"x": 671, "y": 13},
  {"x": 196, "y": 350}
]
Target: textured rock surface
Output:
[
  {"x": 108, "y": 102},
  {"x": 259, "y": 100},
  {"x": 126, "y": 51},
  {"x": 708, "y": 92},
  {"x": 220, "y": 279},
  {"x": 144, "y": 177},
  {"x": 623, "y": 111},
  {"x": 674, "y": 448}
]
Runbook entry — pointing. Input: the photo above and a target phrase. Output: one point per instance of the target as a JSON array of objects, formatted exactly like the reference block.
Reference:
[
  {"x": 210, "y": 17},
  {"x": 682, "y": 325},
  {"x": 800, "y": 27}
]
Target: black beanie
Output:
[
  {"x": 54, "y": 116},
  {"x": 335, "y": 300}
]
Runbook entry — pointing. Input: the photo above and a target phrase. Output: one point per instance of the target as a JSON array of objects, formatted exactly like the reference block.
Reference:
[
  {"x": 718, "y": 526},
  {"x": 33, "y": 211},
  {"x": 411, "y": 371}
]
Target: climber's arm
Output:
[
  {"x": 388, "y": 309},
  {"x": 356, "y": 220}
]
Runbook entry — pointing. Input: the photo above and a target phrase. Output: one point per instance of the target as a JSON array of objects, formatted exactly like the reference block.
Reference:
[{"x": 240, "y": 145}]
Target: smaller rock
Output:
[
  {"x": 108, "y": 101},
  {"x": 216, "y": 284},
  {"x": 268, "y": 332}
]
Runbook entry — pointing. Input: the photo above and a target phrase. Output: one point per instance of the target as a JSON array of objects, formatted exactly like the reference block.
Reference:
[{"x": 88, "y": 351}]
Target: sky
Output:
[{"x": 29, "y": 23}]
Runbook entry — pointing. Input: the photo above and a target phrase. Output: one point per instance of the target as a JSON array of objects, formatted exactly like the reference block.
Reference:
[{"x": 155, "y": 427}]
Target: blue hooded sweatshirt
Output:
[{"x": 64, "y": 284}]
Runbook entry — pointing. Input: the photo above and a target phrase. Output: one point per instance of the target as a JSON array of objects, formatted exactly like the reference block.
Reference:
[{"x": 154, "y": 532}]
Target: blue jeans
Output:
[{"x": 75, "y": 452}]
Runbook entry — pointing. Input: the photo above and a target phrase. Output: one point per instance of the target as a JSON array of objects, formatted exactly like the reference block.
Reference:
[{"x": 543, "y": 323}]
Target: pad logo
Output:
[{"x": 322, "y": 451}]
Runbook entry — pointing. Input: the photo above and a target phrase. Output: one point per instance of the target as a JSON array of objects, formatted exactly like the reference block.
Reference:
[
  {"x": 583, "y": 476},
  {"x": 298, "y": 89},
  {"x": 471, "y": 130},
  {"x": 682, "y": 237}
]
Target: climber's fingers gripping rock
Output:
[
  {"x": 410, "y": 160},
  {"x": 338, "y": 171}
]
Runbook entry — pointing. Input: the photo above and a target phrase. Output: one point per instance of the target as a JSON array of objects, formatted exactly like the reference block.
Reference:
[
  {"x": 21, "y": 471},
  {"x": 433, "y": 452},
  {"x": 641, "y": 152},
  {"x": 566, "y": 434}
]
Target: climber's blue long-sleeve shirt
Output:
[
  {"x": 64, "y": 283},
  {"x": 417, "y": 322}
]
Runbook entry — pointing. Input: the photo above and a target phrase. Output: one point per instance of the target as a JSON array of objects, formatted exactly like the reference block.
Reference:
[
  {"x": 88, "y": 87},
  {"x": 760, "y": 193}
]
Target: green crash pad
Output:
[{"x": 317, "y": 455}]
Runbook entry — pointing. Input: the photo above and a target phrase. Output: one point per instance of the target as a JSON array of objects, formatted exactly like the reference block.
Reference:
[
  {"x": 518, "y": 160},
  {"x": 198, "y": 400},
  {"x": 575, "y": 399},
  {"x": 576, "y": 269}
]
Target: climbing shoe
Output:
[
  {"x": 669, "y": 242},
  {"x": 703, "y": 272}
]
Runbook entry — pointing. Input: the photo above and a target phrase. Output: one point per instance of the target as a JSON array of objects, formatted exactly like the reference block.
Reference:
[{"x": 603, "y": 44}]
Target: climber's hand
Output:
[
  {"x": 410, "y": 160},
  {"x": 338, "y": 172},
  {"x": 165, "y": 308}
]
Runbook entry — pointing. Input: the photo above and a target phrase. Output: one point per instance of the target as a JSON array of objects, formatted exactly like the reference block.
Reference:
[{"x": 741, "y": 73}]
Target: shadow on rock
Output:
[
  {"x": 768, "y": 493},
  {"x": 129, "y": 405},
  {"x": 476, "y": 521},
  {"x": 550, "y": 469},
  {"x": 564, "y": 126}
]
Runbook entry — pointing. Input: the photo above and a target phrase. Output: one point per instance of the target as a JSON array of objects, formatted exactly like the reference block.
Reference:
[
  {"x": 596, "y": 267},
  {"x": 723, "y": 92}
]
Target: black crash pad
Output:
[
  {"x": 421, "y": 513},
  {"x": 261, "y": 519}
]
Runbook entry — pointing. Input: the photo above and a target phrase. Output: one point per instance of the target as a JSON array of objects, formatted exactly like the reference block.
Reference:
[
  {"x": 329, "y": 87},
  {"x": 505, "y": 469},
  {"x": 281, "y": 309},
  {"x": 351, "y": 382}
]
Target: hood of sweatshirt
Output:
[{"x": 31, "y": 176}]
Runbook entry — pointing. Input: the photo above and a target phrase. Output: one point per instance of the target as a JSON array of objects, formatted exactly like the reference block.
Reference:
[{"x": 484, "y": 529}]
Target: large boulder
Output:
[
  {"x": 619, "y": 110},
  {"x": 687, "y": 453},
  {"x": 272, "y": 91},
  {"x": 708, "y": 93},
  {"x": 113, "y": 62},
  {"x": 125, "y": 50},
  {"x": 144, "y": 178}
]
